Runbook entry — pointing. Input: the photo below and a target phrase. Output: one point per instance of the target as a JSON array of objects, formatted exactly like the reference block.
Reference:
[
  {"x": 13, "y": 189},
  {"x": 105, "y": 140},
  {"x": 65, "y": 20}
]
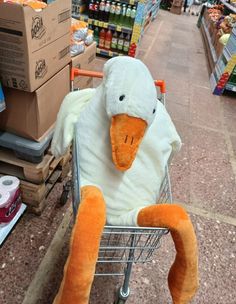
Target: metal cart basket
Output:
[{"x": 122, "y": 245}]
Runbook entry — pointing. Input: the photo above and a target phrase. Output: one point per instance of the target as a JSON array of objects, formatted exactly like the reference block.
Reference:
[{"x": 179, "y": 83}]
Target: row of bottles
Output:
[
  {"x": 110, "y": 40},
  {"x": 115, "y": 13}
]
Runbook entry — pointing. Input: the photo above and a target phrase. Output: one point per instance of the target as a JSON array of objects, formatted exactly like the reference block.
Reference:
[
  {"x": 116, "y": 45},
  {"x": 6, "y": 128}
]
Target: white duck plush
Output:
[
  {"x": 126, "y": 139},
  {"x": 126, "y": 105}
]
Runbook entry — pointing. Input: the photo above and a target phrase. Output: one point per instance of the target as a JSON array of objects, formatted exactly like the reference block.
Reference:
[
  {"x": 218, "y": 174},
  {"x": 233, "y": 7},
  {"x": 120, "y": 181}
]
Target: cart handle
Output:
[
  {"x": 161, "y": 84},
  {"x": 78, "y": 72}
]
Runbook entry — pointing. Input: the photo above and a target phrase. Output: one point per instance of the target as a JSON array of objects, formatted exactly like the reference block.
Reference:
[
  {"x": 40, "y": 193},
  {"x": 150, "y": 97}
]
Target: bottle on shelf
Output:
[
  {"x": 114, "y": 41},
  {"x": 108, "y": 40},
  {"x": 122, "y": 15},
  {"x": 107, "y": 11},
  {"x": 96, "y": 35},
  {"x": 117, "y": 14},
  {"x": 101, "y": 10},
  {"x": 91, "y": 9},
  {"x": 133, "y": 15},
  {"x": 102, "y": 36},
  {"x": 112, "y": 13},
  {"x": 126, "y": 44},
  {"x": 96, "y": 10},
  {"x": 128, "y": 17},
  {"x": 120, "y": 43}
]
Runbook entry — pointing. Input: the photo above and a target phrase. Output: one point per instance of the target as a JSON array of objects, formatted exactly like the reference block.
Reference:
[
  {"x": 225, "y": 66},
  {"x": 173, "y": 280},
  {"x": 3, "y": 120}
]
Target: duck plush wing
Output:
[{"x": 70, "y": 110}]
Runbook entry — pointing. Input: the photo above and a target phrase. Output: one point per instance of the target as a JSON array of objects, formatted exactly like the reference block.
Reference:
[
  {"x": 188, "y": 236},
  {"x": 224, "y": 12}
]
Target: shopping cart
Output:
[{"x": 121, "y": 245}]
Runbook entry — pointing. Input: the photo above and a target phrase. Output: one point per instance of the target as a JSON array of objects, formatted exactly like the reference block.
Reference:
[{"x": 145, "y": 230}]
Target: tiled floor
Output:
[{"x": 203, "y": 180}]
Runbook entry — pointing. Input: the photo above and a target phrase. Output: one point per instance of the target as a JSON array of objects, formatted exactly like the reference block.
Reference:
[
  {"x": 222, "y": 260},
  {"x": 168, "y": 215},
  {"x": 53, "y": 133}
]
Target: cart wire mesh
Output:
[{"x": 122, "y": 245}]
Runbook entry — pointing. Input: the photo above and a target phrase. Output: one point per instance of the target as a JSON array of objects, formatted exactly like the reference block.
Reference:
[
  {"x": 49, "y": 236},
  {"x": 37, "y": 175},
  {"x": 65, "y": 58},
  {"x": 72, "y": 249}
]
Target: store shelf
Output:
[
  {"x": 213, "y": 82},
  {"x": 227, "y": 54},
  {"x": 231, "y": 7},
  {"x": 152, "y": 10},
  {"x": 218, "y": 72},
  {"x": 110, "y": 26},
  {"x": 131, "y": 2},
  {"x": 81, "y": 17},
  {"x": 108, "y": 53},
  {"x": 136, "y": 31},
  {"x": 103, "y": 24},
  {"x": 5, "y": 230},
  {"x": 211, "y": 47},
  {"x": 230, "y": 87}
]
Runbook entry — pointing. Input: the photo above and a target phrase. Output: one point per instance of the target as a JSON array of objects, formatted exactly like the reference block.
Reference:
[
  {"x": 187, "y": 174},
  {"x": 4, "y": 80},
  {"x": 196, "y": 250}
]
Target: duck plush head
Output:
[
  {"x": 131, "y": 103},
  {"x": 126, "y": 139}
]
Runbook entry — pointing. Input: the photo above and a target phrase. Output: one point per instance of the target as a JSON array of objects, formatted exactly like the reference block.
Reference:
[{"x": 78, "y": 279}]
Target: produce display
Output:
[
  {"x": 223, "y": 24},
  {"x": 218, "y": 27}
]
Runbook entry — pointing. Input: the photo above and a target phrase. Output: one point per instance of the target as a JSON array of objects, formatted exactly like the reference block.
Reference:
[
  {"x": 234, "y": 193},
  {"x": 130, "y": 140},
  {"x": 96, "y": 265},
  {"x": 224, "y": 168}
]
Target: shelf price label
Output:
[
  {"x": 105, "y": 25},
  {"x": 131, "y": 2},
  {"x": 96, "y": 22},
  {"x": 118, "y": 28},
  {"x": 100, "y": 23},
  {"x": 90, "y": 21},
  {"x": 110, "y": 53}
]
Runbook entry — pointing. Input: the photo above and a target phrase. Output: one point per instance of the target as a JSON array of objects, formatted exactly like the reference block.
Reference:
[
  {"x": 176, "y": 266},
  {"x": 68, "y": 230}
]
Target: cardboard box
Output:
[
  {"x": 83, "y": 82},
  {"x": 176, "y": 10},
  {"x": 177, "y": 3},
  {"x": 33, "y": 115},
  {"x": 85, "y": 60},
  {"x": 34, "y": 46}
]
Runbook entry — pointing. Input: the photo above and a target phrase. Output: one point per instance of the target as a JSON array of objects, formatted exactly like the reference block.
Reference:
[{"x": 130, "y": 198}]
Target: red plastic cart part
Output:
[
  {"x": 75, "y": 72},
  {"x": 161, "y": 84}
]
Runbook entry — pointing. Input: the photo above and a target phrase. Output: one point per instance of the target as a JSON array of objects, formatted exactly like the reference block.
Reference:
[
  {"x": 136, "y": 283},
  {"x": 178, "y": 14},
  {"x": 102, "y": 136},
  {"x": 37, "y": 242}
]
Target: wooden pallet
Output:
[
  {"x": 35, "y": 173},
  {"x": 35, "y": 194}
]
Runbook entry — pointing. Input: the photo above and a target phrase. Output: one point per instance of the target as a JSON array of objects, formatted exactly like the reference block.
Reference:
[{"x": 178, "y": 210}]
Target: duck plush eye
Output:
[
  {"x": 122, "y": 97},
  {"x": 154, "y": 110}
]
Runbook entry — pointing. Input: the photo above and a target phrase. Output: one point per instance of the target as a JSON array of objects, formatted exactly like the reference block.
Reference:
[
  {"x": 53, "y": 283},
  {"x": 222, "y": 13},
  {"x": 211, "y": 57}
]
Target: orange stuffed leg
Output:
[
  {"x": 80, "y": 266},
  {"x": 183, "y": 275}
]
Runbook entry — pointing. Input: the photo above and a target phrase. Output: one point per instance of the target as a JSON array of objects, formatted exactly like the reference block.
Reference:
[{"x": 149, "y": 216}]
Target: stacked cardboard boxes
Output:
[
  {"x": 35, "y": 67},
  {"x": 34, "y": 58},
  {"x": 176, "y": 7}
]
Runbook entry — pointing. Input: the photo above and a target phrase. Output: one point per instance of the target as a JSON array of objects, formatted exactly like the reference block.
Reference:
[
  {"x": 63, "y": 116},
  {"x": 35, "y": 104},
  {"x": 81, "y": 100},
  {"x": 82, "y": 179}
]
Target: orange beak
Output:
[{"x": 126, "y": 134}]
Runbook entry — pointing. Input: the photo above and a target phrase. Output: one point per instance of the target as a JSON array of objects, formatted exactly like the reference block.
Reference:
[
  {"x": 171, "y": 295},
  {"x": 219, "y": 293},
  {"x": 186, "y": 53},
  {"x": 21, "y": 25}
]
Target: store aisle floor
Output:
[{"x": 204, "y": 172}]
